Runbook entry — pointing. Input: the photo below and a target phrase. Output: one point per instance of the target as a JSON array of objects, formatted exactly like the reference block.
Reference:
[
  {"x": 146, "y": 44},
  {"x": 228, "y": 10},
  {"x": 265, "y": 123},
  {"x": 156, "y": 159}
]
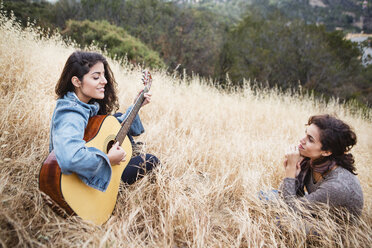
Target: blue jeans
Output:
[
  {"x": 269, "y": 195},
  {"x": 137, "y": 168}
]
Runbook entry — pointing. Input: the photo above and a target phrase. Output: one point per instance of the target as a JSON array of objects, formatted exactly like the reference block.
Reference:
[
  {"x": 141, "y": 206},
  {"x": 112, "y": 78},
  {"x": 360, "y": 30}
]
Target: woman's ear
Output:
[
  {"x": 326, "y": 153},
  {"x": 75, "y": 81}
]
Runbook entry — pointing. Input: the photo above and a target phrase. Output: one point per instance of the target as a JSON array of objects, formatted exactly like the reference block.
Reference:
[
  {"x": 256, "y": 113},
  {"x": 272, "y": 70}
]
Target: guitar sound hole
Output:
[{"x": 109, "y": 145}]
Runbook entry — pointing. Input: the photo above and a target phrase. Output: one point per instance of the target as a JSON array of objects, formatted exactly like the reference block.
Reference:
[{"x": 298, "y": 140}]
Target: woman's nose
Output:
[
  {"x": 302, "y": 141},
  {"x": 104, "y": 81}
]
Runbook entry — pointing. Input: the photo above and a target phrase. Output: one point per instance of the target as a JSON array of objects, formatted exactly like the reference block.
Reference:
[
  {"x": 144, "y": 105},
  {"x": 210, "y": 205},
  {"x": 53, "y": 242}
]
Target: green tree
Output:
[
  {"x": 273, "y": 49},
  {"x": 186, "y": 38},
  {"x": 114, "y": 39},
  {"x": 66, "y": 10},
  {"x": 40, "y": 12}
]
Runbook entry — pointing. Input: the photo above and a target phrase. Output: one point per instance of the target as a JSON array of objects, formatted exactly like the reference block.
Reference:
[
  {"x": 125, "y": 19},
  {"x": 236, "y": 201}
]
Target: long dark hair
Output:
[
  {"x": 79, "y": 64},
  {"x": 337, "y": 137}
]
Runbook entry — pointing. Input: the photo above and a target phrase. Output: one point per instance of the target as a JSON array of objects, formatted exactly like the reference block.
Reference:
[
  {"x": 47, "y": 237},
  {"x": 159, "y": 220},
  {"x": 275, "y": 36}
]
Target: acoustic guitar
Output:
[{"x": 68, "y": 191}]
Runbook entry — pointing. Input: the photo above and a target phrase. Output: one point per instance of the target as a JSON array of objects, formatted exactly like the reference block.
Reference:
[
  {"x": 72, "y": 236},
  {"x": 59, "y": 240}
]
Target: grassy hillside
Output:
[{"x": 217, "y": 150}]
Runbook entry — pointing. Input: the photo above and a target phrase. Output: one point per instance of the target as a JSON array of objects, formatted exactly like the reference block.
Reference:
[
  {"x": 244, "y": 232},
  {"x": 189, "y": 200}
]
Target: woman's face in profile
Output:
[
  {"x": 93, "y": 84},
  {"x": 310, "y": 146}
]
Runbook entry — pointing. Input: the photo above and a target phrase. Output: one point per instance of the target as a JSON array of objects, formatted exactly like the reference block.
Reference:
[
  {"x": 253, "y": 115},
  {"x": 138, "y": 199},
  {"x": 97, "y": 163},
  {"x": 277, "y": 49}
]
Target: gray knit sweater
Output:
[{"x": 339, "y": 188}]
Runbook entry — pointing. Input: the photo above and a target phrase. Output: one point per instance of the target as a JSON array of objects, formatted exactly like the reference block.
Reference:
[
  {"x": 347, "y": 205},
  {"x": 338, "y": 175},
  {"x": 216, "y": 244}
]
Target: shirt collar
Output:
[{"x": 93, "y": 108}]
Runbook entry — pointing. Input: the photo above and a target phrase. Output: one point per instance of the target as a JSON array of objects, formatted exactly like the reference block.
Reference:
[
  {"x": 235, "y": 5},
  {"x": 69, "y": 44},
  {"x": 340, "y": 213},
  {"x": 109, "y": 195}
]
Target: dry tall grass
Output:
[{"x": 217, "y": 150}]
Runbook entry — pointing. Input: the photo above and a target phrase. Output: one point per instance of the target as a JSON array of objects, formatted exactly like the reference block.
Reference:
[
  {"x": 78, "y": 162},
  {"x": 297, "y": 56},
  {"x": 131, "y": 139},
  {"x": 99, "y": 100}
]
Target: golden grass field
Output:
[{"x": 217, "y": 149}]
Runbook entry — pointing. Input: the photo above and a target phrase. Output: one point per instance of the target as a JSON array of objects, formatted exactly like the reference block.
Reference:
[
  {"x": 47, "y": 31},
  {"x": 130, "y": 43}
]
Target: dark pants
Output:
[{"x": 137, "y": 168}]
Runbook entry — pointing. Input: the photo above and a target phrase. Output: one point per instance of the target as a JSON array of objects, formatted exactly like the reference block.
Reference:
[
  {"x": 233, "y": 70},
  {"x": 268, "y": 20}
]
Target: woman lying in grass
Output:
[{"x": 322, "y": 164}]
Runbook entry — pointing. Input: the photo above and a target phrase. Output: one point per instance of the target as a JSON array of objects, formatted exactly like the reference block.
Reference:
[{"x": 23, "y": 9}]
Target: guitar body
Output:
[{"x": 74, "y": 196}]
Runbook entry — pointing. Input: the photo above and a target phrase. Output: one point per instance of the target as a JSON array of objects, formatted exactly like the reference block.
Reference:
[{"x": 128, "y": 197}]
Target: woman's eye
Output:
[{"x": 96, "y": 78}]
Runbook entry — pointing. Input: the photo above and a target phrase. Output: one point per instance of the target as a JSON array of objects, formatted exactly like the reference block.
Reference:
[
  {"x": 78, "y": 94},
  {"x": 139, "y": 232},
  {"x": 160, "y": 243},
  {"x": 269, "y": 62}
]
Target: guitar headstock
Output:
[{"x": 146, "y": 79}]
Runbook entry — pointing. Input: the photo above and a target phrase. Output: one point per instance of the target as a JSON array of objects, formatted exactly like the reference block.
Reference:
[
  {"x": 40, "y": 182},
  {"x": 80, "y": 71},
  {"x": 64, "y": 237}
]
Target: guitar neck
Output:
[{"x": 125, "y": 126}]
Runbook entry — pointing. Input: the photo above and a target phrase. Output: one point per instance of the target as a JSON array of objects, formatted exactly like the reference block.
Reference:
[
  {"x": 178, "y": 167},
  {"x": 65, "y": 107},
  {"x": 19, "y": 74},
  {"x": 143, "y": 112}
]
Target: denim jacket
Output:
[{"x": 68, "y": 124}]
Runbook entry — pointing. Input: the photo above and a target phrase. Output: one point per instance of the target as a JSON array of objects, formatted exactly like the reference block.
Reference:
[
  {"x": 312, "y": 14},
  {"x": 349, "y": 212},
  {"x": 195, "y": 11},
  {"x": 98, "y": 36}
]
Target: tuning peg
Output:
[{"x": 146, "y": 76}]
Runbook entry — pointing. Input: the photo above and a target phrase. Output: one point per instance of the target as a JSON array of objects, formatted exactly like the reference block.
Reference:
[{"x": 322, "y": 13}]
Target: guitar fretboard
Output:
[{"x": 130, "y": 118}]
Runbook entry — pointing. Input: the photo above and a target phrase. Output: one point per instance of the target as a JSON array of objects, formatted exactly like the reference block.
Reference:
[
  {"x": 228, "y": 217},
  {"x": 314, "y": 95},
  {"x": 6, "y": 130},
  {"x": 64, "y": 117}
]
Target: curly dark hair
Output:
[
  {"x": 337, "y": 137},
  {"x": 79, "y": 64}
]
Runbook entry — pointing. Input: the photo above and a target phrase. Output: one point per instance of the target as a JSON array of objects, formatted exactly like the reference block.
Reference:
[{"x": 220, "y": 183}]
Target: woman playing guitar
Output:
[{"x": 87, "y": 88}]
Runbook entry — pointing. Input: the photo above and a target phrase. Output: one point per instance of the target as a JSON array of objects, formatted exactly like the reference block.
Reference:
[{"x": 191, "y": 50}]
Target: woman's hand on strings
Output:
[
  {"x": 116, "y": 154},
  {"x": 147, "y": 96}
]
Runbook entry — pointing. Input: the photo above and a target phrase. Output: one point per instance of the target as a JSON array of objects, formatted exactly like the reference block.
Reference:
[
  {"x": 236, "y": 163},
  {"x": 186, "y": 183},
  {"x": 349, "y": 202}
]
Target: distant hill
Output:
[
  {"x": 348, "y": 15},
  {"x": 282, "y": 43}
]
